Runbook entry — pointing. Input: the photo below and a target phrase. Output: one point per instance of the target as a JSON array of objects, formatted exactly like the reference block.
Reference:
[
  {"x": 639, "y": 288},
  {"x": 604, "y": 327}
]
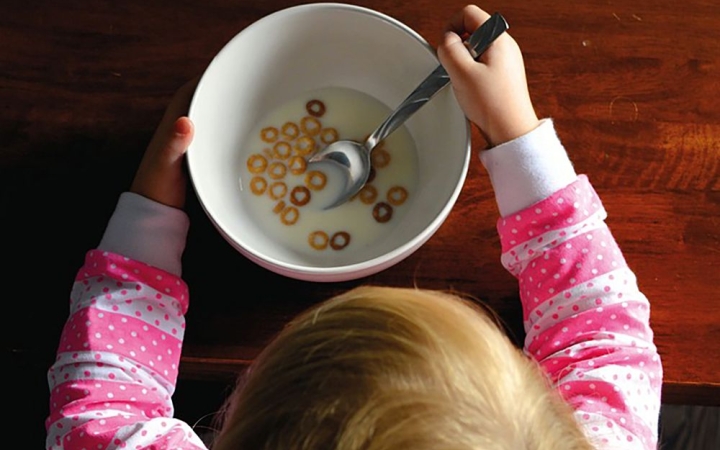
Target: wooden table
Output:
[{"x": 634, "y": 88}]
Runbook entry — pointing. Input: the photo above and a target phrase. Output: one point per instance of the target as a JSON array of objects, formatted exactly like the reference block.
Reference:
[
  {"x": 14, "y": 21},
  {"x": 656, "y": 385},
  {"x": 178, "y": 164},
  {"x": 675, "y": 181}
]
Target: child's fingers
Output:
[
  {"x": 452, "y": 52},
  {"x": 160, "y": 176},
  {"x": 172, "y": 142},
  {"x": 180, "y": 103},
  {"x": 455, "y": 57},
  {"x": 467, "y": 20},
  {"x": 178, "y": 107},
  {"x": 183, "y": 132}
]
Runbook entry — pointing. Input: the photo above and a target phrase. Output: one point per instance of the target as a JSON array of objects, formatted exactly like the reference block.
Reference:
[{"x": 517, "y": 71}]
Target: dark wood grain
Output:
[{"x": 632, "y": 86}]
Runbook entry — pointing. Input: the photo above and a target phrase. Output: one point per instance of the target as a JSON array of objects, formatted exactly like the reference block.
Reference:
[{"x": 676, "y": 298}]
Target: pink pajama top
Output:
[{"x": 587, "y": 323}]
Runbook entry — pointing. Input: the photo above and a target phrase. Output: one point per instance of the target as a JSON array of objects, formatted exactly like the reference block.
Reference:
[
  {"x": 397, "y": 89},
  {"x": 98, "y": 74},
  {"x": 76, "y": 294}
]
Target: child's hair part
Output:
[{"x": 383, "y": 368}]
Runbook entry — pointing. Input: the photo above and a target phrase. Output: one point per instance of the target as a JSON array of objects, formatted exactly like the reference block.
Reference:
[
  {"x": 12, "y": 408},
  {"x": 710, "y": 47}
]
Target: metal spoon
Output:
[{"x": 354, "y": 157}]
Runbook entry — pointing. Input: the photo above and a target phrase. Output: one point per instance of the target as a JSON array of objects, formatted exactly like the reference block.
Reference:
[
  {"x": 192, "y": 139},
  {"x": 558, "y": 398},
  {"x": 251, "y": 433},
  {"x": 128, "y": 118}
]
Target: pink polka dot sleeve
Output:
[
  {"x": 587, "y": 322},
  {"x": 117, "y": 361}
]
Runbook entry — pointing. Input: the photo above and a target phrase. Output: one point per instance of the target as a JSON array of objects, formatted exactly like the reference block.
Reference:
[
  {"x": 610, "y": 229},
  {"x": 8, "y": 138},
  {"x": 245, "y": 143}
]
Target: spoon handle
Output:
[{"x": 478, "y": 42}]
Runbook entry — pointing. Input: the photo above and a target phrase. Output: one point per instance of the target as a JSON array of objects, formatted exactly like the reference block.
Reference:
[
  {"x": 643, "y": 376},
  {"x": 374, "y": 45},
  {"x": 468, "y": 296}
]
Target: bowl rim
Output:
[{"x": 344, "y": 272}]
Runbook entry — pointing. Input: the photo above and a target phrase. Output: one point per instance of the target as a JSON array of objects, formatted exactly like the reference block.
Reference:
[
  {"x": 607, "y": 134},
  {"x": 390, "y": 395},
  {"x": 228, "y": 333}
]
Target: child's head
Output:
[{"x": 388, "y": 368}]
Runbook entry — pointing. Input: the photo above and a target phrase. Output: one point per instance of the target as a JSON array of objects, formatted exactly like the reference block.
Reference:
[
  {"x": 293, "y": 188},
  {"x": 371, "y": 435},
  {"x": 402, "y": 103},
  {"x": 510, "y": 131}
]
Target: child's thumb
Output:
[{"x": 179, "y": 139}]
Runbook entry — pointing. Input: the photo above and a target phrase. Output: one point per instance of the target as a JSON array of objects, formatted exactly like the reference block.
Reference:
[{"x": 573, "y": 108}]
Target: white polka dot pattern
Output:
[
  {"x": 117, "y": 361},
  {"x": 587, "y": 323}
]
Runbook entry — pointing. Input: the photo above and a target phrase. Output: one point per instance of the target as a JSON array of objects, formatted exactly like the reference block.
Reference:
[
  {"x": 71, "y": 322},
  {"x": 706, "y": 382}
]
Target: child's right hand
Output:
[{"x": 492, "y": 91}]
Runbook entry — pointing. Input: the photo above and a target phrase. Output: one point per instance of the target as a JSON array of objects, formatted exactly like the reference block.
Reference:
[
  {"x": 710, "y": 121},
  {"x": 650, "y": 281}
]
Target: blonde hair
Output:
[{"x": 388, "y": 368}]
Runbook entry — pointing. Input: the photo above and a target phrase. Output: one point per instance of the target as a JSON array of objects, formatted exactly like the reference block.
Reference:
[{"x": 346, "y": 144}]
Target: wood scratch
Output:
[
  {"x": 636, "y": 17},
  {"x": 622, "y": 97},
  {"x": 617, "y": 17}
]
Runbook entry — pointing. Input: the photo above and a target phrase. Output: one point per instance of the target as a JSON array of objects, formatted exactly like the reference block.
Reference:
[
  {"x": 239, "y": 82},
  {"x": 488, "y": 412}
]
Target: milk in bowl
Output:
[{"x": 286, "y": 196}]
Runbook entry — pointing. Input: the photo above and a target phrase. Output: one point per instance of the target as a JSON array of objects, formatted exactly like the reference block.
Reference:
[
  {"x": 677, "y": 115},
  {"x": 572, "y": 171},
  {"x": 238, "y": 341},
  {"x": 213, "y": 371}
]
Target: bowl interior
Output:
[{"x": 305, "y": 48}]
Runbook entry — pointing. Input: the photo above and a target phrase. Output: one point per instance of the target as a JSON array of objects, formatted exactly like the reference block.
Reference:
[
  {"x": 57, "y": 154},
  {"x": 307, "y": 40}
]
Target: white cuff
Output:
[
  {"x": 147, "y": 231},
  {"x": 528, "y": 169}
]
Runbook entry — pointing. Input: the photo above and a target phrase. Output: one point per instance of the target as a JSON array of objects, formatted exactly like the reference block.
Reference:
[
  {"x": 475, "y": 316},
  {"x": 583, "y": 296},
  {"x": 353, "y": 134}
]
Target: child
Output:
[{"x": 380, "y": 368}]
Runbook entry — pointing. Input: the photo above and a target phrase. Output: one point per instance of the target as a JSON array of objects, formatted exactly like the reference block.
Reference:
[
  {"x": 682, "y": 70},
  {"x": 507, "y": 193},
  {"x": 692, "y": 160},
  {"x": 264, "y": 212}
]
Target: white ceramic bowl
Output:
[{"x": 309, "y": 47}]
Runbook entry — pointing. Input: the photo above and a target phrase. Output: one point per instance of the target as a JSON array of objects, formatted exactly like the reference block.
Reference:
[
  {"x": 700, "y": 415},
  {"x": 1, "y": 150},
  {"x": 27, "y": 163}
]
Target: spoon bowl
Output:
[
  {"x": 354, "y": 157},
  {"x": 354, "y": 160}
]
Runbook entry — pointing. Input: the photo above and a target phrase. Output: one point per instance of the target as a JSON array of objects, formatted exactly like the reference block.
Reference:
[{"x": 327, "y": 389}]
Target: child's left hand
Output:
[{"x": 161, "y": 176}]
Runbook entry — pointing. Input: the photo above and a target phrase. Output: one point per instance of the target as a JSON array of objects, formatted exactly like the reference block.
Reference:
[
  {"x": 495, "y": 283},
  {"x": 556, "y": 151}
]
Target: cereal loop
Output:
[
  {"x": 397, "y": 195},
  {"x": 258, "y": 185},
  {"x": 328, "y": 135},
  {"x": 282, "y": 150},
  {"x": 382, "y": 212},
  {"x": 380, "y": 158},
  {"x": 297, "y": 165},
  {"x": 277, "y": 190},
  {"x": 318, "y": 240},
  {"x": 300, "y": 196},
  {"x": 315, "y": 180},
  {"x": 290, "y": 130},
  {"x": 257, "y": 163},
  {"x": 315, "y": 108},
  {"x": 289, "y": 215},
  {"x": 368, "y": 194},
  {"x": 277, "y": 170},
  {"x": 310, "y": 126},
  {"x": 269, "y": 134},
  {"x": 304, "y": 146},
  {"x": 340, "y": 240},
  {"x": 279, "y": 207}
]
